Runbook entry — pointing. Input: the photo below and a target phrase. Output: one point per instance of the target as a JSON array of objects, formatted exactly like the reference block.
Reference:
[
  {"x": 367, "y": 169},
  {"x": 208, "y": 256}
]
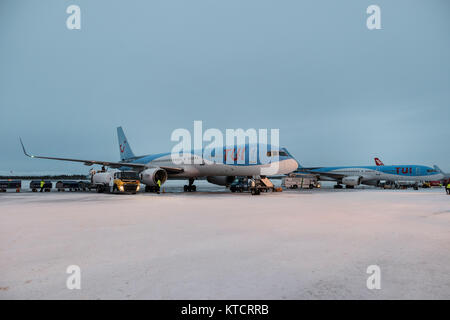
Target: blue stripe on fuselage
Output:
[
  {"x": 400, "y": 170},
  {"x": 239, "y": 154}
]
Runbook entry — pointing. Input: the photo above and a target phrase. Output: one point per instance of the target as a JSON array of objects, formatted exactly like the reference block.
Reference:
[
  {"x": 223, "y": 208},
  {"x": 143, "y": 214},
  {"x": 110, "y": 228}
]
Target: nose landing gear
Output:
[{"x": 191, "y": 187}]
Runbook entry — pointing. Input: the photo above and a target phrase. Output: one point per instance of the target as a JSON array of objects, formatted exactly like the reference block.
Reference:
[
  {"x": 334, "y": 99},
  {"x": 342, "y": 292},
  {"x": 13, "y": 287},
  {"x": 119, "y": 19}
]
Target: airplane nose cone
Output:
[
  {"x": 280, "y": 167},
  {"x": 292, "y": 165}
]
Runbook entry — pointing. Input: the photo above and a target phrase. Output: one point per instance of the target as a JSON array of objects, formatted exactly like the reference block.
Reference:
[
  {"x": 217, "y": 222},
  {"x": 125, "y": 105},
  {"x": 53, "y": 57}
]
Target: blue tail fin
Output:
[{"x": 124, "y": 147}]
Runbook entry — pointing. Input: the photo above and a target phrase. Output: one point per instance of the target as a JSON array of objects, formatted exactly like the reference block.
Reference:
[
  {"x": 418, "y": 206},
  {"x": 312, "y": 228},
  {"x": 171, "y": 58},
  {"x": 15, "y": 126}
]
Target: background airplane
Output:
[
  {"x": 217, "y": 170},
  {"x": 351, "y": 176},
  {"x": 444, "y": 179}
]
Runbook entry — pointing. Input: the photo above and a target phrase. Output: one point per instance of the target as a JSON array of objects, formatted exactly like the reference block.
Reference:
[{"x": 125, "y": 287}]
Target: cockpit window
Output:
[
  {"x": 277, "y": 153},
  {"x": 431, "y": 171}
]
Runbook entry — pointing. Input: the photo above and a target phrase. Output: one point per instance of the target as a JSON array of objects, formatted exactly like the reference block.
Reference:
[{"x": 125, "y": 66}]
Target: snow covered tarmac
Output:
[{"x": 217, "y": 245}]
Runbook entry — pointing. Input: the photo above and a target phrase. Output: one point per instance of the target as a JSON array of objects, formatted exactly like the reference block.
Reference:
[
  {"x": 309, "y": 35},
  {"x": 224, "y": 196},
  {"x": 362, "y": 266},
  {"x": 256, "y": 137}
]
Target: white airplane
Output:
[{"x": 239, "y": 160}]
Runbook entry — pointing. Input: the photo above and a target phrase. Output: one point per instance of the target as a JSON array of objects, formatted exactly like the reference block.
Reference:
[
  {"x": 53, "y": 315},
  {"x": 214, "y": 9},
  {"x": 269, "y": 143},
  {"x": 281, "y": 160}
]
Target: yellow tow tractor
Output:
[{"x": 426, "y": 184}]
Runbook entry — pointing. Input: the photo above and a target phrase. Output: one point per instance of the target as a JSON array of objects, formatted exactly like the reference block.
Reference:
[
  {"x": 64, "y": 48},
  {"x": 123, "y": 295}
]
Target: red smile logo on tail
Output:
[
  {"x": 122, "y": 149},
  {"x": 378, "y": 162}
]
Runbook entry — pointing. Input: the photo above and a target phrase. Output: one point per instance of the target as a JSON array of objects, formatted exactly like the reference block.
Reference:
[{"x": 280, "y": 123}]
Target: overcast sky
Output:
[{"x": 339, "y": 93}]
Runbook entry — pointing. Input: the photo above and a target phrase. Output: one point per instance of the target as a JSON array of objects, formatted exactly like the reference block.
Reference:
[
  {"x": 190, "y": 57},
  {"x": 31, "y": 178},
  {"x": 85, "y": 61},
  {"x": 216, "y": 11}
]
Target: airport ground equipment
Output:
[
  {"x": 431, "y": 184},
  {"x": 10, "y": 184},
  {"x": 259, "y": 184},
  {"x": 302, "y": 181},
  {"x": 254, "y": 185},
  {"x": 409, "y": 184},
  {"x": 67, "y": 185},
  {"x": 73, "y": 186},
  {"x": 85, "y": 185},
  {"x": 435, "y": 183},
  {"x": 35, "y": 185},
  {"x": 398, "y": 184},
  {"x": 240, "y": 184},
  {"x": 116, "y": 181},
  {"x": 390, "y": 185}
]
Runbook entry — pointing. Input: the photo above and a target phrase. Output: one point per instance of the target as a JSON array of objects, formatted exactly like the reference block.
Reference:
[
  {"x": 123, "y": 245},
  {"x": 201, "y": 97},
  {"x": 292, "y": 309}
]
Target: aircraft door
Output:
[{"x": 378, "y": 172}]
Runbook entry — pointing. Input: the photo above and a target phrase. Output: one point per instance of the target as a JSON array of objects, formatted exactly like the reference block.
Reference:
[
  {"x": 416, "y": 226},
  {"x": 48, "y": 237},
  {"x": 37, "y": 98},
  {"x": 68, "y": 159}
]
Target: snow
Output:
[{"x": 213, "y": 244}]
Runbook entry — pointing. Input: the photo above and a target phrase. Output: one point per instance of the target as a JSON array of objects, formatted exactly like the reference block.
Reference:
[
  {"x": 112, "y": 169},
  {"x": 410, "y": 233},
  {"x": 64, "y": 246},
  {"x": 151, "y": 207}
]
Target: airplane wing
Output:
[
  {"x": 103, "y": 163},
  {"x": 172, "y": 170},
  {"x": 330, "y": 175},
  {"x": 325, "y": 174}
]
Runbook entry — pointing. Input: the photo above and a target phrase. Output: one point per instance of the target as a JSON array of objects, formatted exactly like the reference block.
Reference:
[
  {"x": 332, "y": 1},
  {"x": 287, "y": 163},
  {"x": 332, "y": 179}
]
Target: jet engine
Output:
[
  {"x": 351, "y": 181},
  {"x": 151, "y": 176},
  {"x": 221, "y": 180}
]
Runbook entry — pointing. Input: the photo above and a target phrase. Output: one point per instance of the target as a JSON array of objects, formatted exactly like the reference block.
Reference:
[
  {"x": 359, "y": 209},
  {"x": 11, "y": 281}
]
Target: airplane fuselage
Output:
[
  {"x": 237, "y": 162},
  {"x": 372, "y": 174}
]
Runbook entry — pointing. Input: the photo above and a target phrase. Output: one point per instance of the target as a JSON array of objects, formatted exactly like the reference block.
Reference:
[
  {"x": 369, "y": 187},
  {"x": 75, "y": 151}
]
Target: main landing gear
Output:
[{"x": 191, "y": 187}]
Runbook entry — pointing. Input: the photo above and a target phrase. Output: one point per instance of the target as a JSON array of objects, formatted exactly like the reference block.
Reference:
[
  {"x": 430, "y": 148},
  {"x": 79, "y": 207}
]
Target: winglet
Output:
[{"x": 23, "y": 147}]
